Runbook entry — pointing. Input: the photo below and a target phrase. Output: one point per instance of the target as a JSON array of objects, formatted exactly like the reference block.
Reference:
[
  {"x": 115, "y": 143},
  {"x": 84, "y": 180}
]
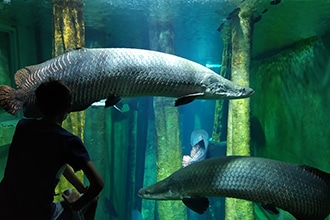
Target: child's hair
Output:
[{"x": 53, "y": 98}]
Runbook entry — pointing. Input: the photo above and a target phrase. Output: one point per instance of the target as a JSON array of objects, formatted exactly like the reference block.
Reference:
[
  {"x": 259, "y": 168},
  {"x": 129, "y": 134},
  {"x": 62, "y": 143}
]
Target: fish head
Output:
[
  {"x": 217, "y": 87},
  {"x": 167, "y": 189},
  {"x": 199, "y": 135}
]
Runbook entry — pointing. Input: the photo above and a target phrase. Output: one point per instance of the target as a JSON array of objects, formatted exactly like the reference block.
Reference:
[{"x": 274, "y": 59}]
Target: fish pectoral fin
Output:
[
  {"x": 270, "y": 208},
  {"x": 117, "y": 108},
  {"x": 197, "y": 204},
  {"x": 112, "y": 100},
  {"x": 187, "y": 98}
]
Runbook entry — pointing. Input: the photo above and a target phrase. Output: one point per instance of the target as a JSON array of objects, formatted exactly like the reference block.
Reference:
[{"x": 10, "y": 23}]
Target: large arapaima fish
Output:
[{"x": 113, "y": 73}]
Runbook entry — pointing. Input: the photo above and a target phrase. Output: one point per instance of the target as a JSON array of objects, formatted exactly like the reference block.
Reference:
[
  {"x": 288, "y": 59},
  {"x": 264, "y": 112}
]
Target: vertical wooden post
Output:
[
  {"x": 167, "y": 125},
  {"x": 69, "y": 33},
  {"x": 68, "y": 25},
  {"x": 238, "y": 140}
]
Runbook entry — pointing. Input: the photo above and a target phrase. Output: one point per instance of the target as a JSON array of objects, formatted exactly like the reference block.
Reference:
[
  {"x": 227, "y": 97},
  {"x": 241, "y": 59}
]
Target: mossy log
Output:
[
  {"x": 238, "y": 139},
  {"x": 68, "y": 33},
  {"x": 169, "y": 152}
]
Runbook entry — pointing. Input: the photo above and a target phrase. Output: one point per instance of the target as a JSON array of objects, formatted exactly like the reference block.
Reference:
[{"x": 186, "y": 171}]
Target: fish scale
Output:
[{"x": 301, "y": 190}]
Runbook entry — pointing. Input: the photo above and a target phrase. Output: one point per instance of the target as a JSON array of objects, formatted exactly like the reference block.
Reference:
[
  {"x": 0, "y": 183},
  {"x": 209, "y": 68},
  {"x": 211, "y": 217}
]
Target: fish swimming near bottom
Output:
[
  {"x": 113, "y": 73},
  {"x": 301, "y": 190}
]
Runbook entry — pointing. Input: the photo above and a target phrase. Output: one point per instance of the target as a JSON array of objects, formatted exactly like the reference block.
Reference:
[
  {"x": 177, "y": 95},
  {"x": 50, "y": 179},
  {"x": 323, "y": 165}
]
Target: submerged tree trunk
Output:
[{"x": 68, "y": 33}]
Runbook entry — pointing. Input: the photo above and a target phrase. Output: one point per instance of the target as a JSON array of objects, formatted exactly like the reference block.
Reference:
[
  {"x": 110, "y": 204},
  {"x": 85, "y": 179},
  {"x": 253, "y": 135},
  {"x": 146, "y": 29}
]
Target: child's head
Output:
[{"x": 53, "y": 98}]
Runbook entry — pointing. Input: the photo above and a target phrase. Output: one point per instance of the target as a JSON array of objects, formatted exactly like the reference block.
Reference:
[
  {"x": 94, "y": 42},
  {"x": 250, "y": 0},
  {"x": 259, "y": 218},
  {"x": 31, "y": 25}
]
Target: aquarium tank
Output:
[{"x": 279, "y": 48}]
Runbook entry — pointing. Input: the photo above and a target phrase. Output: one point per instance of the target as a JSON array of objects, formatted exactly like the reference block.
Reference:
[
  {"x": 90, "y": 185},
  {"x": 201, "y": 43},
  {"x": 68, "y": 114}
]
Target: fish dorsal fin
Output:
[
  {"x": 316, "y": 172},
  {"x": 197, "y": 204},
  {"x": 22, "y": 74}
]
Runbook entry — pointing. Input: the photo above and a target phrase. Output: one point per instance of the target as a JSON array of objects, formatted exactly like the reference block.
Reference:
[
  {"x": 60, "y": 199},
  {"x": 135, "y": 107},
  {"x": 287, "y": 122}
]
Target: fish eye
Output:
[{"x": 242, "y": 90}]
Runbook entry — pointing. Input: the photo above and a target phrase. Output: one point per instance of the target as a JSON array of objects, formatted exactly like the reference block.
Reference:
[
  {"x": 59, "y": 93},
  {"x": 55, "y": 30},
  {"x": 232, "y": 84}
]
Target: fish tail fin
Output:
[{"x": 8, "y": 100}]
